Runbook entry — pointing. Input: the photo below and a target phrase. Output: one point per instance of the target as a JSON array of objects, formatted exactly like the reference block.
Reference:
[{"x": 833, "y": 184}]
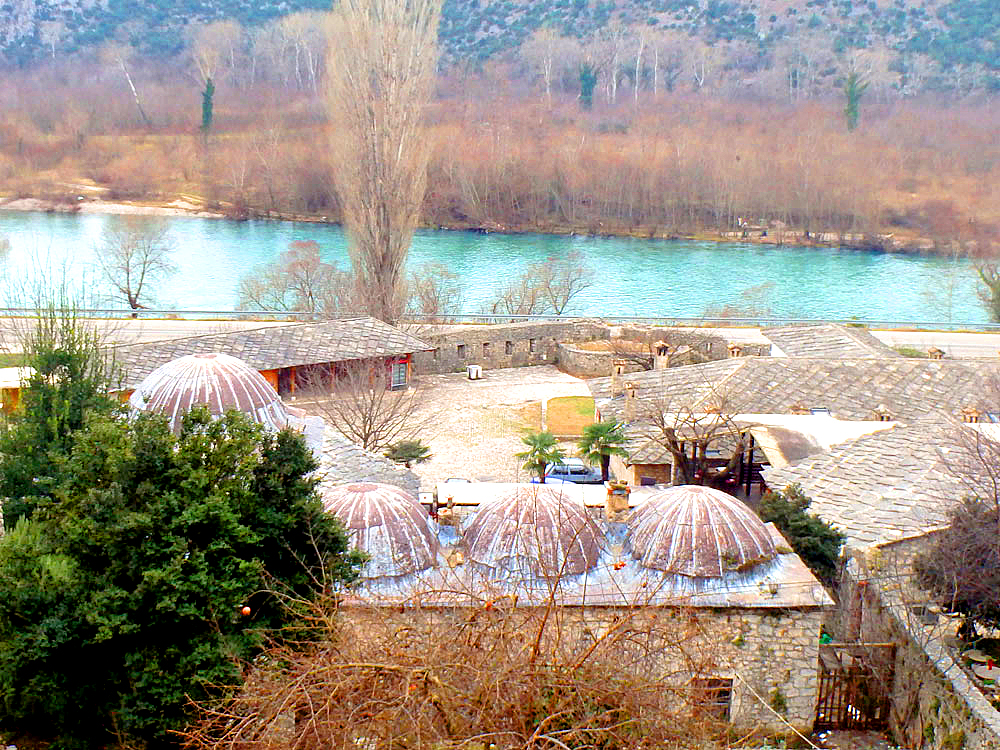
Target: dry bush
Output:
[{"x": 488, "y": 675}]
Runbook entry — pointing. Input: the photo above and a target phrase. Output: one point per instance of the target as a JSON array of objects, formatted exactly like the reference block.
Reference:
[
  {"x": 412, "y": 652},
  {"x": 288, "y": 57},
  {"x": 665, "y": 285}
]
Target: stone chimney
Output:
[
  {"x": 630, "y": 390},
  {"x": 882, "y": 413},
  {"x": 661, "y": 355},
  {"x": 735, "y": 350},
  {"x": 935, "y": 353},
  {"x": 616, "y": 503},
  {"x": 617, "y": 371},
  {"x": 971, "y": 415},
  {"x": 799, "y": 408}
]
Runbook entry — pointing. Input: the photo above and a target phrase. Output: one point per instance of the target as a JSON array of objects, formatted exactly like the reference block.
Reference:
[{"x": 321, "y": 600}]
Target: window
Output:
[
  {"x": 398, "y": 375},
  {"x": 508, "y": 348},
  {"x": 821, "y": 410},
  {"x": 712, "y": 695},
  {"x": 461, "y": 351},
  {"x": 532, "y": 345},
  {"x": 486, "y": 349}
]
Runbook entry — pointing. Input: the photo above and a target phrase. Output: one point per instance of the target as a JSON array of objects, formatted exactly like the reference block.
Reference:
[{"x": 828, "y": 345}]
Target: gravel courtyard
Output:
[{"x": 475, "y": 429}]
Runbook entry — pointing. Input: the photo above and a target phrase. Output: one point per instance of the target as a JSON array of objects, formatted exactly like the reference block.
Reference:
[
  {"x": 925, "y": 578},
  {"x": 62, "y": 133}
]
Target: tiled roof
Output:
[
  {"x": 275, "y": 347},
  {"x": 852, "y": 389},
  {"x": 830, "y": 340},
  {"x": 343, "y": 462},
  {"x": 883, "y": 487}
]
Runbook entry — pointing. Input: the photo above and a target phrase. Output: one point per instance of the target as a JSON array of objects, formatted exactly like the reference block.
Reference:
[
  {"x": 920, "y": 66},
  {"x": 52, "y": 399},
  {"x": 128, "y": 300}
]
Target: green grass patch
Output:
[
  {"x": 568, "y": 415},
  {"x": 909, "y": 351},
  {"x": 13, "y": 359}
]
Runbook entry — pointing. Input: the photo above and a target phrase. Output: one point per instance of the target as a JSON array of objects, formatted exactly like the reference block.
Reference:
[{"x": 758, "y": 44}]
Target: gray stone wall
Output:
[
  {"x": 769, "y": 655},
  {"x": 503, "y": 345},
  {"x": 934, "y": 703}
]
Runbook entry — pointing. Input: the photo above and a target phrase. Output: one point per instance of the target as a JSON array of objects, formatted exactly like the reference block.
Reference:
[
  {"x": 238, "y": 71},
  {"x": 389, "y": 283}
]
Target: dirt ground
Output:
[
  {"x": 476, "y": 425},
  {"x": 853, "y": 740}
]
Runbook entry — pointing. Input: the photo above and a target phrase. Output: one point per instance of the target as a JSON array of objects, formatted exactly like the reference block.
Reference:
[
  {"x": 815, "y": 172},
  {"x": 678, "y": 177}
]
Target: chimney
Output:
[
  {"x": 616, "y": 504},
  {"x": 661, "y": 355},
  {"x": 799, "y": 408},
  {"x": 935, "y": 353},
  {"x": 617, "y": 370},
  {"x": 735, "y": 350},
  {"x": 630, "y": 389},
  {"x": 882, "y": 413},
  {"x": 971, "y": 415}
]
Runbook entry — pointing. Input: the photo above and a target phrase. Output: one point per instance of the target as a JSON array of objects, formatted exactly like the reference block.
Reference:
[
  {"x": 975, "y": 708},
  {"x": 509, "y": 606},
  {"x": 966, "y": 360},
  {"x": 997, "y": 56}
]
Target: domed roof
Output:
[
  {"x": 217, "y": 381},
  {"x": 535, "y": 531},
  {"x": 387, "y": 523},
  {"x": 699, "y": 532}
]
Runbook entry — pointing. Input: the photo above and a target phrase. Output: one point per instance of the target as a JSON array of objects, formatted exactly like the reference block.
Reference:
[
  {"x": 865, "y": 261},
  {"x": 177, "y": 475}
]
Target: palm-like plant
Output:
[
  {"x": 600, "y": 442},
  {"x": 408, "y": 452},
  {"x": 542, "y": 451}
]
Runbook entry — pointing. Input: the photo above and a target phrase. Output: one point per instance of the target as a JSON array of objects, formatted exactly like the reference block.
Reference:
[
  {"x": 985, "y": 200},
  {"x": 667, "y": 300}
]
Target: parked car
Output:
[{"x": 573, "y": 470}]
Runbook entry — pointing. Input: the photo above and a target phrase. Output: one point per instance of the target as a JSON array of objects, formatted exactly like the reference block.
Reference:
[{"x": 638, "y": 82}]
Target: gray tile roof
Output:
[
  {"x": 343, "y": 462},
  {"x": 830, "y": 340},
  {"x": 883, "y": 487},
  {"x": 275, "y": 347},
  {"x": 909, "y": 389}
]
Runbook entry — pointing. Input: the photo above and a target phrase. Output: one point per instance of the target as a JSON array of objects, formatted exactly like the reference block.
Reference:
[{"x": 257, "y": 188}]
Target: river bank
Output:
[{"x": 89, "y": 201}]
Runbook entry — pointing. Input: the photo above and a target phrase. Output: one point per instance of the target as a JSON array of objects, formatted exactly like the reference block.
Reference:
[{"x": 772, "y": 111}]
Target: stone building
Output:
[
  {"x": 221, "y": 382},
  {"x": 289, "y": 357},
  {"x": 691, "y": 556}
]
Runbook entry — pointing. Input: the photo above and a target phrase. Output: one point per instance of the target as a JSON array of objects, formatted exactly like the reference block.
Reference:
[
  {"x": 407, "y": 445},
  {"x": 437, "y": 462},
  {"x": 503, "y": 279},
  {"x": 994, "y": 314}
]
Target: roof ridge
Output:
[{"x": 741, "y": 362}]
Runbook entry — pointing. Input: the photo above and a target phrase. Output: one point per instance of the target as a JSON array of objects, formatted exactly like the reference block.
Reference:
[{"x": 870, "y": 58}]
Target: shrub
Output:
[{"x": 815, "y": 541}]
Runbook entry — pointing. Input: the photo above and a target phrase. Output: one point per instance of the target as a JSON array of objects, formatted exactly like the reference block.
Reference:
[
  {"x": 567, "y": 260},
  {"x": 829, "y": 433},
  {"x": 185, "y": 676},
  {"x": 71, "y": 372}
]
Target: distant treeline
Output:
[
  {"x": 510, "y": 155},
  {"x": 801, "y": 47}
]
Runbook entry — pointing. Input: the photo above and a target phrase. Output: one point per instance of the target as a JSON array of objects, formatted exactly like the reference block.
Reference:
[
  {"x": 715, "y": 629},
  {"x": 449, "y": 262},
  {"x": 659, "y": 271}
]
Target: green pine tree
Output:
[{"x": 854, "y": 88}]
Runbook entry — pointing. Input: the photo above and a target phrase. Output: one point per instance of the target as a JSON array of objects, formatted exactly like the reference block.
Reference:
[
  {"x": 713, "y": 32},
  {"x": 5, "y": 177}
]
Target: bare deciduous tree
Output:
[
  {"x": 381, "y": 67},
  {"x": 435, "y": 293},
  {"x": 358, "y": 400},
  {"x": 134, "y": 254},
  {"x": 544, "y": 288},
  {"x": 298, "y": 280}
]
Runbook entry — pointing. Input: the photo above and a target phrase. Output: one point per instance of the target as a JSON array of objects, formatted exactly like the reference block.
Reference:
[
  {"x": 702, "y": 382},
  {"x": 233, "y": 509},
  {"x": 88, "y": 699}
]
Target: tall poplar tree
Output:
[{"x": 381, "y": 68}]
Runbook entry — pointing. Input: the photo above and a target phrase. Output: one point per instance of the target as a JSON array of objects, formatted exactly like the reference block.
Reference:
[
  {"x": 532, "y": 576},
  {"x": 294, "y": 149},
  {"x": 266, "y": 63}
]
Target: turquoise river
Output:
[{"x": 633, "y": 276}]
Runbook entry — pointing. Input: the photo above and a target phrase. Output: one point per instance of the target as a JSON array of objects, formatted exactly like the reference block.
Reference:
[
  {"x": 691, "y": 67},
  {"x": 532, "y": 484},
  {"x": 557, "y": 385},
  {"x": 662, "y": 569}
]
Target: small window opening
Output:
[
  {"x": 532, "y": 345},
  {"x": 461, "y": 351},
  {"x": 508, "y": 348},
  {"x": 712, "y": 696},
  {"x": 486, "y": 349},
  {"x": 820, "y": 410}
]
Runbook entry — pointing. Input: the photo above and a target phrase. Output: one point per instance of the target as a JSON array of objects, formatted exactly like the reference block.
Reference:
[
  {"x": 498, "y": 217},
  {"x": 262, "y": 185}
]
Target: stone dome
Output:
[
  {"x": 387, "y": 523},
  {"x": 534, "y": 531},
  {"x": 698, "y": 532},
  {"x": 218, "y": 381}
]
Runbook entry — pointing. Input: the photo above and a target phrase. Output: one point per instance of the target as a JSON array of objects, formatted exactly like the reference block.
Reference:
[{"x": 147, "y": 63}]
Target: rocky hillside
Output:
[{"x": 945, "y": 44}]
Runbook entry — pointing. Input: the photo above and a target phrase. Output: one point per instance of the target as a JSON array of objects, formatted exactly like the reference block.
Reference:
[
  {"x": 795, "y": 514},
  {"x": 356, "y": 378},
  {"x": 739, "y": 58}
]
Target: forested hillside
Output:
[{"x": 918, "y": 44}]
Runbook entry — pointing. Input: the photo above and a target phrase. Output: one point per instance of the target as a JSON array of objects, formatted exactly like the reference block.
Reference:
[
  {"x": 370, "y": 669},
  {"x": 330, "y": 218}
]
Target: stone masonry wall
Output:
[
  {"x": 934, "y": 703},
  {"x": 771, "y": 655},
  {"x": 550, "y": 342},
  {"x": 503, "y": 345}
]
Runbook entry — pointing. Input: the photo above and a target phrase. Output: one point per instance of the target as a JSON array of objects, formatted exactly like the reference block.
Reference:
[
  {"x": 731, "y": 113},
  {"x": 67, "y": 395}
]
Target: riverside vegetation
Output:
[{"x": 683, "y": 137}]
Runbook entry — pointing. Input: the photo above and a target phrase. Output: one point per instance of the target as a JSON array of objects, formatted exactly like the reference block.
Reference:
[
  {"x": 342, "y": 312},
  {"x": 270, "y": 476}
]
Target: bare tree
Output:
[
  {"x": 381, "y": 73},
  {"x": 544, "y": 288},
  {"x": 361, "y": 401},
  {"x": 435, "y": 293},
  {"x": 134, "y": 254},
  {"x": 299, "y": 280},
  {"x": 660, "y": 348}
]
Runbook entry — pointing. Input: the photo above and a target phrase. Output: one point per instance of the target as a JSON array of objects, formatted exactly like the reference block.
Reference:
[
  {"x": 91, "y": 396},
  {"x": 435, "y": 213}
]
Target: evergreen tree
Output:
[
  {"x": 70, "y": 381},
  {"x": 408, "y": 452},
  {"x": 854, "y": 88},
  {"x": 600, "y": 442},
  {"x": 146, "y": 579},
  {"x": 815, "y": 541},
  {"x": 542, "y": 451},
  {"x": 588, "y": 80},
  {"x": 207, "y": 105}
]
